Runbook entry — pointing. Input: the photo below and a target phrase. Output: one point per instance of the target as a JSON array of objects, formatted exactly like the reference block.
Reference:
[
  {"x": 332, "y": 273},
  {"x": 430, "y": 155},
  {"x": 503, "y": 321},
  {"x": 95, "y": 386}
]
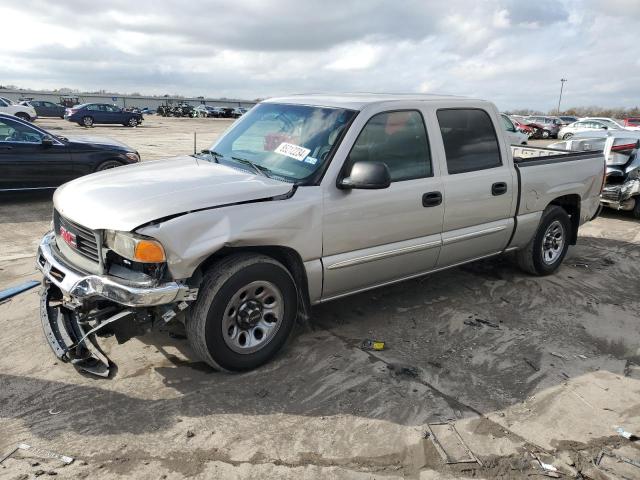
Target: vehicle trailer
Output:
[{"x": 305, "y": 199}]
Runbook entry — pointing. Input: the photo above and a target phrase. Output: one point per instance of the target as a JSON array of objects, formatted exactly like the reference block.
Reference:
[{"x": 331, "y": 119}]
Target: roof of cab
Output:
[{"x": 357, "y": 101}]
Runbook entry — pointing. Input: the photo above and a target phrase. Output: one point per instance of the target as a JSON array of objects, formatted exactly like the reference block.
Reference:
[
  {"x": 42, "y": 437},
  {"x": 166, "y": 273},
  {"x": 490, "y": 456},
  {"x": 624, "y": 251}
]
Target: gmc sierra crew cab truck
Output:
[{"x": 303, "y": 200}]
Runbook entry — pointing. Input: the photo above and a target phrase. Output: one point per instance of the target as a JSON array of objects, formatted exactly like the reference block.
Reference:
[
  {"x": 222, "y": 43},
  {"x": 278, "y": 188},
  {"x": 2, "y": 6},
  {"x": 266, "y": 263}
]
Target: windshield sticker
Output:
[
  {"x": 311, "y": 160},
  {"x": 292, "y": 151}
]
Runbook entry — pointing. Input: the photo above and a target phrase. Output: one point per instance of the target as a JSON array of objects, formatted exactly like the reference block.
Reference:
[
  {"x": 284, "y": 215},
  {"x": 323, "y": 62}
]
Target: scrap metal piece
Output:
[
  {"x": 450, "y": 444},
  {"x": 10, "y": 292},
  {"x": 38, "y": 451}
]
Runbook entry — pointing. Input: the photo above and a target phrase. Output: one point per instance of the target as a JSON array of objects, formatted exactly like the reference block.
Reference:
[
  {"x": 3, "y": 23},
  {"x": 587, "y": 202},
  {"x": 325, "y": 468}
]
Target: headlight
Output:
[
  {"x": 135, "y": 248},
  {"x": 134, "y": 157}
]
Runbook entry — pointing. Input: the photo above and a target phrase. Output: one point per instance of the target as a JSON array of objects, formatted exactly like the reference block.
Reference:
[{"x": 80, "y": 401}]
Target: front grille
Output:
[{"x": 86, "y": 240}]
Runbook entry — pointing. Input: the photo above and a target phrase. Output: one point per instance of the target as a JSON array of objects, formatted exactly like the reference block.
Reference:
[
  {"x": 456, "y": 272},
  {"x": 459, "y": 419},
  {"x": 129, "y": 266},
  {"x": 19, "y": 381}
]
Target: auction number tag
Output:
[{"x": 292, "y": 151}]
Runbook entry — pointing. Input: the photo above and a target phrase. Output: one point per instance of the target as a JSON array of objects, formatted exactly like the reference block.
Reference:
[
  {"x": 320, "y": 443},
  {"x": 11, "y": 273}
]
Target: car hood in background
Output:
[
  {"x": 126, "y": 197},
  {"x": 98, "y": 141}
]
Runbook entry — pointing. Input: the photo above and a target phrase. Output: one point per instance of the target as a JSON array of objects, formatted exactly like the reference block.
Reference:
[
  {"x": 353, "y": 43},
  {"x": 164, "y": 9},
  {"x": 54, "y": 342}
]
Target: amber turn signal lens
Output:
[{"x": 149, "y": 251}]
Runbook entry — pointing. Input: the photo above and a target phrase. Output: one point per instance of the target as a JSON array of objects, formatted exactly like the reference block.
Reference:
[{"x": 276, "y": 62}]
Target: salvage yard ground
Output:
[{"x": 521, "y": 366}]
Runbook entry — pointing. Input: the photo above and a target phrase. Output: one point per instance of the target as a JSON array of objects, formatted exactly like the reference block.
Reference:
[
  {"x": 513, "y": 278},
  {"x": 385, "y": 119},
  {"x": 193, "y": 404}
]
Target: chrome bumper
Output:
[{"x": 80, "y": 286}]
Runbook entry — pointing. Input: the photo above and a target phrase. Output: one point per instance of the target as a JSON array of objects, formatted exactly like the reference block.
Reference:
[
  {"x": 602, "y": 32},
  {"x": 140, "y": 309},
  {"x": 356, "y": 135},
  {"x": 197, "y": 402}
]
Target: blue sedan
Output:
[{"x": 88, "y": 114}]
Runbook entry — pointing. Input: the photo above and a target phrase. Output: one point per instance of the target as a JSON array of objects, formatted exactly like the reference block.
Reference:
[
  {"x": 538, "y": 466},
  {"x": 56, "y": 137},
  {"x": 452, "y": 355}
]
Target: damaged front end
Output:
[
  {"x": 621, "y": 196},
  {"x": 77, "y": 307}
]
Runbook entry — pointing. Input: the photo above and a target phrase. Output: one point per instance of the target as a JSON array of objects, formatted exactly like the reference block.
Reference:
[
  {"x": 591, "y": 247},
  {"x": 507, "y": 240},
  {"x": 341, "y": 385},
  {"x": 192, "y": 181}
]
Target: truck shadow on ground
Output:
[{"x": 458, "y": 343}]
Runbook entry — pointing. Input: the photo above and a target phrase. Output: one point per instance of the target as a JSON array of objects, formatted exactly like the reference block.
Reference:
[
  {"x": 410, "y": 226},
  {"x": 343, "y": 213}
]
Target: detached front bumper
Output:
[
  {"x": 79, "y": 287},
  {"x": 69, "y": 319},
  {"x": 621, "y": 197}
]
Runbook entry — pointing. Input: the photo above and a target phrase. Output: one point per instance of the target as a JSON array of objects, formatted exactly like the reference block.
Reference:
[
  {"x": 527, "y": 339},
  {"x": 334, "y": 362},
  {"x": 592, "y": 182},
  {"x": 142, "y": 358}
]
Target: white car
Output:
[
  {"x": 515, "y": 136},
  {"x": 26, "y": 112},
  {"x": 589, "y": 125},
  {"x": 611, "y": 123}
]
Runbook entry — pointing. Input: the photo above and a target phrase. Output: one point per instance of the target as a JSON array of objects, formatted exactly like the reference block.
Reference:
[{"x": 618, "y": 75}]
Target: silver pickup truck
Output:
[{"x": 303, "y": 200}]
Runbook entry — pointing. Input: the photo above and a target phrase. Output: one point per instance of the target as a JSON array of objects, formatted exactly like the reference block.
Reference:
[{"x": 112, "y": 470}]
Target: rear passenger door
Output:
[{"x": 478, "y": 186}]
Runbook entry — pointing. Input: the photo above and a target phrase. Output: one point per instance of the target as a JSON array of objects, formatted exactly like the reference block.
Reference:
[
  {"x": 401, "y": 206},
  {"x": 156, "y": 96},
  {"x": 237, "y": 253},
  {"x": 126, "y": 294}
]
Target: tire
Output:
[
  {"x": 108, "y": 165},
  {"x": 87, "y": 121},
  {"x": 553, "y": 233},
  {"x": 567, "y": 136},
  {"x": 215, "y": 328},
  {"x": 132, "y": 122},
  {"x": 23, "y": 116},
  {"x": 546, "y": 134},
  {"x": 636, "y": 208}
]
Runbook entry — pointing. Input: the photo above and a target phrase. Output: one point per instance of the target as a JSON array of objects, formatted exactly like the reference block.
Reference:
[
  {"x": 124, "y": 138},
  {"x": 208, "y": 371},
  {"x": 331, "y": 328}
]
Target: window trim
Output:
[
  {"x": 446, "y": 164},
  {"x": 342, "y": 173}
]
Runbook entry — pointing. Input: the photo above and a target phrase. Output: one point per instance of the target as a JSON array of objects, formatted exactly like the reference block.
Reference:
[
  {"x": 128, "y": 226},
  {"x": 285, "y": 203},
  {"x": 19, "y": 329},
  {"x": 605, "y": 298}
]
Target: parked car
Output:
[
  {"x": 205, "y": 111},
  {"x": 47, "y": 109},
  {"x": 632, "y": 122},
  {"x": 567, "y": 119},
  {"x": 550, "y": 125},
  {"x": 240, "y": 240},
  {"x": 622, "y": 182},
  {"x": 515, "y": 136},
  {"x": 570, "y": 130},
  {"x": 32, "y": 158},
  {"x": 611, "y": 123},
  {"x": 89, "y": 114},
  {"x": 25, "y": 112},
  {"x": 238, "y": 112}
]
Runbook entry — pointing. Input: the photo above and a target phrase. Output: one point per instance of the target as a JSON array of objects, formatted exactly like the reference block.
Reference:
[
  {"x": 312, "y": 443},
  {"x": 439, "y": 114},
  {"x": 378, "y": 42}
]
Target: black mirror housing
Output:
[
  {"x": 47, "y": 141},
  {"x": 368, "y": 176}
]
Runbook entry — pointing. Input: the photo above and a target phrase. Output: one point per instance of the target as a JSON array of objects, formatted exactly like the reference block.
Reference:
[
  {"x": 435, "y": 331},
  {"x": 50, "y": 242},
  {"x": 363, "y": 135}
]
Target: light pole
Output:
[{"x": 562, "y": 80}]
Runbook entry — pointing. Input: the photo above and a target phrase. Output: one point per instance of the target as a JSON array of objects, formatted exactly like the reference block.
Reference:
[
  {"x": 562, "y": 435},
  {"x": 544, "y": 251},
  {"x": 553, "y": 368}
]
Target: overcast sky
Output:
[{"x": 512, "y": 52}]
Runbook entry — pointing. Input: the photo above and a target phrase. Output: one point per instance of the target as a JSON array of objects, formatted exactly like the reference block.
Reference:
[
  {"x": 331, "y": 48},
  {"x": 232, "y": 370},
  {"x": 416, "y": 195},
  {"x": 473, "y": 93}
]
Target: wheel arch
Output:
[
  {"x": 571, "y": 204},
  {"x": 289, "y": 257}
]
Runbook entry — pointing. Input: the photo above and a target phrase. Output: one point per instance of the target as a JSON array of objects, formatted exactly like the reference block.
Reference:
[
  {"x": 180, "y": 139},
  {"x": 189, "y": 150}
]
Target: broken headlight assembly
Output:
[{"x": 133, "y": 257}]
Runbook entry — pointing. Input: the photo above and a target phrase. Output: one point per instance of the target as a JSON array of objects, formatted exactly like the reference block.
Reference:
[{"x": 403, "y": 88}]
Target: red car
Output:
[{"x": 632, "y": 122}]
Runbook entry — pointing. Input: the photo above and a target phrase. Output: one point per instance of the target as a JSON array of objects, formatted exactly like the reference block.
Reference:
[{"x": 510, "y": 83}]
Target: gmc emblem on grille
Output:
[{"x": 68, "y": 237}]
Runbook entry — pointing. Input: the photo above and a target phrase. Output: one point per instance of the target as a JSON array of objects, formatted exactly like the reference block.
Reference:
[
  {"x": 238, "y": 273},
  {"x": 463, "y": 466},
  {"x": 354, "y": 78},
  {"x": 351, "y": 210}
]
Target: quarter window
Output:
[
  {"x": 470, "y": 141},
  {"x": 398, "y": 139}
]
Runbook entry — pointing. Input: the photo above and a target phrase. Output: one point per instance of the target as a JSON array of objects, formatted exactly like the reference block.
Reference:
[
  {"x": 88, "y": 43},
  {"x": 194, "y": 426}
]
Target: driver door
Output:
[
  {"x": 25, "y": 163},
  {"x": 373, "y": 237}
]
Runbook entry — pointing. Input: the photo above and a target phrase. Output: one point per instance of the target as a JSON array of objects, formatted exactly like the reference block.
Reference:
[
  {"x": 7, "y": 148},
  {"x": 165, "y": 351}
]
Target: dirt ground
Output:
[{"x": 524, "y": 367}]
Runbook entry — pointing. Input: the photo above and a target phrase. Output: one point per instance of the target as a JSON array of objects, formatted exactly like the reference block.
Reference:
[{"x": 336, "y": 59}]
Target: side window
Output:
[
  {"x": 398, "y": 139},
  {"x": 470, "y": 141},
  {"x": 93, "y": 107},
  {"x": 506, "y": 123},
  {"x": 3, "y": 103},
  {"x": 16, "y": 132}
]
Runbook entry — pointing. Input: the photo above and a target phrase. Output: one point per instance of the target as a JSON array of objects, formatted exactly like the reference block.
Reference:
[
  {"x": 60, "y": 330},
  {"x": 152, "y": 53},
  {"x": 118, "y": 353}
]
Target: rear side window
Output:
[
  {"x": 470, "y": 141},
  {"x": 398, "y": 139}
]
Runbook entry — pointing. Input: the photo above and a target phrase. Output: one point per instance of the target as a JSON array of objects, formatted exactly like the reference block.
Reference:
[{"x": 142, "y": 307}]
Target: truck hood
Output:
[
  {"x": 126, "y": 197},
  {"x": 98, "y": 141}
]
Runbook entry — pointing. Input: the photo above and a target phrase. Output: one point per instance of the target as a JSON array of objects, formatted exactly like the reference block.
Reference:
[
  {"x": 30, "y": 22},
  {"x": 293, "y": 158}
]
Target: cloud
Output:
[{"x": 508, "y": 51}]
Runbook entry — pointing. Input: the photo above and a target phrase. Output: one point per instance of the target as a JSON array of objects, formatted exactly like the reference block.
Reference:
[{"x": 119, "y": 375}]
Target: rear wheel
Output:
[
  {"x": 246, "y": 309},
  {"x": 87, "y": 121},
  {"x": 544, "y": 254}
]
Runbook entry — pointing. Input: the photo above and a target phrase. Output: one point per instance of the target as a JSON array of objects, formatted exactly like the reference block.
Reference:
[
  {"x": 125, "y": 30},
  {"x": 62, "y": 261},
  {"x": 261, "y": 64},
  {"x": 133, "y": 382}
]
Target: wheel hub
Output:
[{"x": 249, "y": 314}]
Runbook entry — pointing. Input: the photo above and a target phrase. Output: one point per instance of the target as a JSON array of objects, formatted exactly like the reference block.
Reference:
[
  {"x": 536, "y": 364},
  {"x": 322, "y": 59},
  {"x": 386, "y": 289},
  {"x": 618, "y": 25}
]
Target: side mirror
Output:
[
  {"x": 367, "y": 175},
  {"x": 47, "y": 141},
  {"x": 605, "y": 127}
]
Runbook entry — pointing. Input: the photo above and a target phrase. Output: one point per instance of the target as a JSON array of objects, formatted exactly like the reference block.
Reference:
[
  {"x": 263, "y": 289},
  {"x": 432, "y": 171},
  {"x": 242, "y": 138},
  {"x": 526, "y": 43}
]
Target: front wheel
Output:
[
  {"x": 636, "y": 208},
  {"x": 23, "y": 116},
  {"x": 546, "y": 134},
  {"x": 87, "y": 121},
  {"x": 108, "y": 165},
  {"x": 547, "y": 249},
  {"x": 245, "y": 311},
  {"x": 567, "y": 136}
]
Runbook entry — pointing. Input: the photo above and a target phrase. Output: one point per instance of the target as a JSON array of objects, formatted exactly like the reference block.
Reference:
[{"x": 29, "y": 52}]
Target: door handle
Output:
[
  {"x": 498, "y": 188},
  {"x": 431, "y": 199}
]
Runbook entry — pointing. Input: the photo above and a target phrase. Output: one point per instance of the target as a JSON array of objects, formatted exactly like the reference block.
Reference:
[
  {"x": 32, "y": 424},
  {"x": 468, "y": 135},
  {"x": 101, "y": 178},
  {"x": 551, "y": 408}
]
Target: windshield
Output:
[{"x": 287, "y": 141}]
